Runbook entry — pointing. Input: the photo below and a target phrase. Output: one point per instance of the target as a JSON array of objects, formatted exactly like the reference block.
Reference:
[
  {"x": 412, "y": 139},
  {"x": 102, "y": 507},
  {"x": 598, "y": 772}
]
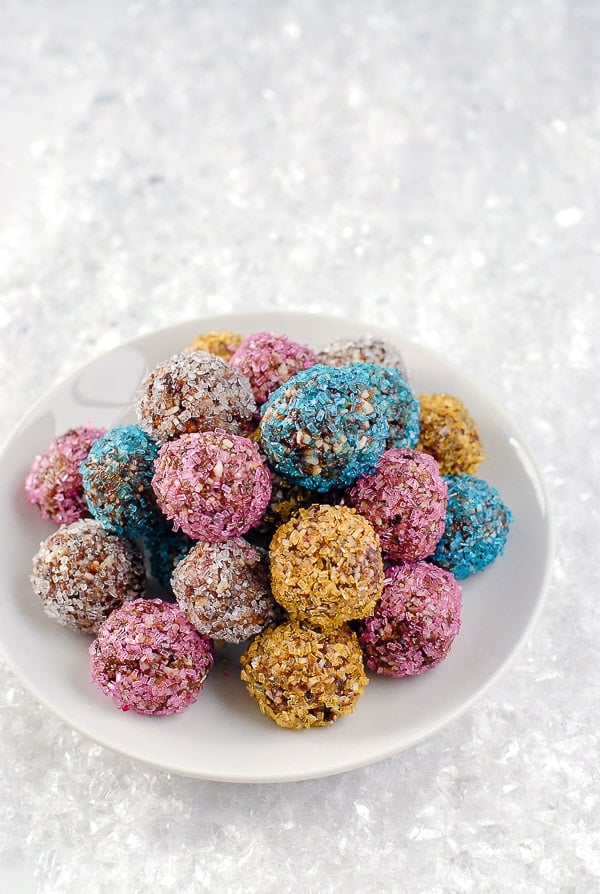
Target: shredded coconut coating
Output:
[
  {"x": 212, "y": 485},
  {"x": 326, "y": 566},
  {"x": 325, "y": 426},
  {"x": 222, "y": 343},
  {"x": 415, "y": 621},
  {"x": 54, "y": 482},
  {"x": 269, "y": 360},
  {"x": 224, "y": 590},
  {"x": 148, "y": 658},
  {"x": 405, "y": 500},
  {"x": 448, "y": 432},
  {"x": 302, "y": 677},
  {"x": 366, "y": 349},
  {"x": 82, "y": 572},
  {"x": 192, "y": 392},
  {"x": 476, "y": 526},
  {"x": 117, "y": 475}
]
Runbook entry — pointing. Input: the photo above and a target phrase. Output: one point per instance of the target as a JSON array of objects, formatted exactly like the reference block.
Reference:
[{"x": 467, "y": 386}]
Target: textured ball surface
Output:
[
  {"x": 222, "y": 343},
  {"x": 326, "y": 566},
  {"x": 415, "y": 621},
  {"x": 269, "y": 360},
  {"x": 301, "y": 677},
  {"x": 191, "y": 392},
  {"x": 402, "y": 407},
  {"x": 148, "y": 658},
  {"x": 286, "y": 499},
  {"x": 448, "y": 432},
  {"x": 223, "y": 588},
  {"x": 54, "y": 482},
  {"x": 165, "y": 548},
  {"x": 405, "y": 500},
  {"x": 365, "y": 349},
  {"x": 82, "y": 572},
  {"x": 324, "y": 427},
  {"x": 476, "y": 526},
  {"x": 212, "y": 485},
  {"x": 117, "y": 475}
]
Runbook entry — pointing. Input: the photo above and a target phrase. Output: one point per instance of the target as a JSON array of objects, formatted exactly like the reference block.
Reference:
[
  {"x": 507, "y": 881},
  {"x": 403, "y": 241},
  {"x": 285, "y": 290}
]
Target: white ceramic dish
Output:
[{"x": 223, "y": 736}]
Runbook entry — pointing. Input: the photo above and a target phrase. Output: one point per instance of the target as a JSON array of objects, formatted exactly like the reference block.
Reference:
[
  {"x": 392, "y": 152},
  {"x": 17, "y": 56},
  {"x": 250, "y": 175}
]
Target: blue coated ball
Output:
[{"x": 477, "y": 523}]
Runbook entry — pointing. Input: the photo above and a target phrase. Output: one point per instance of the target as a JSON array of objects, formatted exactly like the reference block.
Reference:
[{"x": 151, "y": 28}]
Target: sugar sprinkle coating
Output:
[
  {"x": 82, "y": 572},
  {"x": 415, "y": 621},
  {"x": 325, "y": 426},
  {"x": 448, "y": 432},
  {"x": 191, "y": 392},
  {"x": 222, "y": 343},
  {"x": 365, "y": 349},
  {"x": 224, "y": 590},
  {"x": 117, "y": 475},
  {"x": 476, "y": 526},
  {"x": 301, "y": 677},
  {"x": 326, "y": 566},
  {"x": 54, "y": 482},
  {"x": 405, "y": 500},
  {"x": 269, "y": 360},
  {"x": 213, "y": 485},
  {"x": 148, "y": 658},
  {"x": 402, "y": 406}
]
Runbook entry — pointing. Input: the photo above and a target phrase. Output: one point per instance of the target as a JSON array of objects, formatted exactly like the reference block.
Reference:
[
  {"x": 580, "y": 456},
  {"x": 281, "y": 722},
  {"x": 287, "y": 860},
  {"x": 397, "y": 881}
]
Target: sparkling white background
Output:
[{"x": 430, "y": 165}]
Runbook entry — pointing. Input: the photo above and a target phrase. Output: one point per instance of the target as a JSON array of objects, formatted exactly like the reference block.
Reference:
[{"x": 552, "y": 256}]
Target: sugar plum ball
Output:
[
  {"x": 269, "y": 360},
  {"x": 415, "y": 621},
  {"x": 448, "y": 432},
  {"x": 301, "y": 677},
  {"x": 212, "y": 485},
  {"x": 54, "y": 482},
  {"x": 476, "y": 526},
  {"x": 405, "y": 500},
  {"x": 222, "y": 343},
  {"x": 191, "y": 392},
  {"x": 326, "y": 566},
  {"x": 148, "y": 658},
  {"x": 364, "y": 349},
  {"x": 82, "y": 572},
  {"x": 224, "y": 590}
]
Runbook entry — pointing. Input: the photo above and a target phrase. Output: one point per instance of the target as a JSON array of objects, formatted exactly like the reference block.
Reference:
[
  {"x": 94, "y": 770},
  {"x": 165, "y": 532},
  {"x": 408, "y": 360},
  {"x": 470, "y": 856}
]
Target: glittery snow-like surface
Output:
[{"x": 430, "y": 166}]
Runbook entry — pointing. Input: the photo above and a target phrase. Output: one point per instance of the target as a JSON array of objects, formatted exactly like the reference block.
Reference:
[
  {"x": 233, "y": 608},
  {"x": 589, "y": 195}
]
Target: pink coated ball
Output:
[
  {"x": 213, "y": 485},
  {"x": 268, "y": 360},
  {"x": 415, "y": 621},
  {"x": 405, "y": 499}
]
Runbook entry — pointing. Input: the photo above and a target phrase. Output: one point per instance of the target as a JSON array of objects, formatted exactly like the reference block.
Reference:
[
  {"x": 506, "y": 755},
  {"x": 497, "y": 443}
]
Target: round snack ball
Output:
[
  {"x": 302, "y": 677},
  {"x": 82, "y": 572},
  {"x": 448, "y": 432},
  {"x": 325, "y": 426},
  {"x": 148, "y": 658},
  {"x": 213, "y": 485},
  {"x": 191, "y": 392},
  {"x": 223, "y": 588},
  {"x": 222, "y": 343},
  {"x": 476, "y": 527},
  {"x": 54, "y": 483},
  {"x": 415, "y": 621},
  {"x": 402, "y": 406},
  {"x": 117, "y": 477},
  {"x": 365, "y": 349},
  {"x": 326, "y": 566},
  {"x": 405, "y": 500},
  {"x": 269, "y": 360}
]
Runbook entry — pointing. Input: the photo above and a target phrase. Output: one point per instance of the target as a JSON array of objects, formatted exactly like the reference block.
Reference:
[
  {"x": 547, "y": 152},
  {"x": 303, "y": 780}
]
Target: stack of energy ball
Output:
[{"x": 307, "y": 503}]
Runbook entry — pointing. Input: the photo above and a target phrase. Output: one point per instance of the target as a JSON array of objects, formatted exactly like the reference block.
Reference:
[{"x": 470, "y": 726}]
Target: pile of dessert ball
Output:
[{"x": 306, "y": 503}]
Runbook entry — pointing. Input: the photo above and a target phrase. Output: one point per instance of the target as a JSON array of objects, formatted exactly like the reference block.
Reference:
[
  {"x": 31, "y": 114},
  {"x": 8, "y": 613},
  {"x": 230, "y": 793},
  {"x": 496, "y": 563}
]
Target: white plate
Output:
[{"x": 223, "y": 736}]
